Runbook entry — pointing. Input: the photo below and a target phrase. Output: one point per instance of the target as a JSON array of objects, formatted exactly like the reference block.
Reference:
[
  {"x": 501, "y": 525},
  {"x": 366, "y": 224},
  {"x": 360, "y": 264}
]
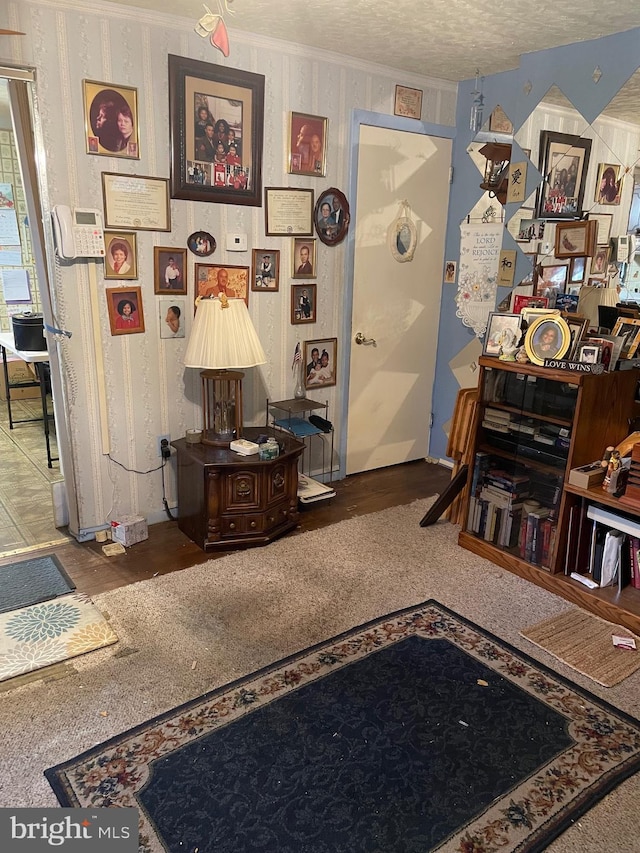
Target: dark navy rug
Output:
[
  {"x": 32, "y": 581},
  {"x": 416, "y": 732}
]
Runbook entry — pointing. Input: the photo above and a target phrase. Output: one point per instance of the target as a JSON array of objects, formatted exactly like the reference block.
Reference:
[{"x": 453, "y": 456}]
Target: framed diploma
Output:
[
  {"x": 135, "y": 201},
  {"x": 288, "y": 212}
]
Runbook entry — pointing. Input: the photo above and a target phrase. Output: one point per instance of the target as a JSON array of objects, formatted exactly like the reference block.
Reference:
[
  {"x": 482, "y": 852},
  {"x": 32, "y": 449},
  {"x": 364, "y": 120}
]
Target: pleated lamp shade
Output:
[
  {"x": 223, "y": 339},
  {"x": 589, "y": 299}
]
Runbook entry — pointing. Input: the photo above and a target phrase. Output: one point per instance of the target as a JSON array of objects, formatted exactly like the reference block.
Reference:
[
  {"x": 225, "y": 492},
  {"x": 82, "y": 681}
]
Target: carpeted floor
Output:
[
  {"x": 415, "y": 732},
  {"x": 189, "y": 632}
]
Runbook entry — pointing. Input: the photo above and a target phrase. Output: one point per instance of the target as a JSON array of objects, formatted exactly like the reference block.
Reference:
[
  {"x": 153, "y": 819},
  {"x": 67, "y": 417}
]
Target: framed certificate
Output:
[
  {"x": 288, "y": 212},
  {"x": 137, "y": 202}
]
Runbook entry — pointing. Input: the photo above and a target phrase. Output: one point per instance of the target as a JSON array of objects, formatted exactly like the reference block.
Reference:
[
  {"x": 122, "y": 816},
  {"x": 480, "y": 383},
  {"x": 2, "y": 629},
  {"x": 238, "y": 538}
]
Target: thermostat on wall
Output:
[{"x": 236, "y": 242}]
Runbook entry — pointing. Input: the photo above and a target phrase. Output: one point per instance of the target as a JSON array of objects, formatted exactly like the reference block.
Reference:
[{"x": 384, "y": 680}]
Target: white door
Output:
[{"x": 395, "y": 304}]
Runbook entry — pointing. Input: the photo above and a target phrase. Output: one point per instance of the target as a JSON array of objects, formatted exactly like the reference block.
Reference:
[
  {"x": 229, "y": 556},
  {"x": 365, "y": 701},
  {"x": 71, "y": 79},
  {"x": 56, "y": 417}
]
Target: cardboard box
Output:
[
  {"x": 587, "y": 476},
  {"x": 19, "y": 371},
  {"x": 129, "y": 530}
]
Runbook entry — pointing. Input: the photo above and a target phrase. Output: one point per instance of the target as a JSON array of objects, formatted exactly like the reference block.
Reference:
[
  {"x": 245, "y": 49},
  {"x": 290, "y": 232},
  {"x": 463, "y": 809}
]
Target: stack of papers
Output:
[{"x": 310, "y": 490}]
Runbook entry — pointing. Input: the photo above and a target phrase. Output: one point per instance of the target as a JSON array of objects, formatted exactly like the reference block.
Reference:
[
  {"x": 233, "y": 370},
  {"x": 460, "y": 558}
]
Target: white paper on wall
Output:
[{"x": 480, "y": 245}]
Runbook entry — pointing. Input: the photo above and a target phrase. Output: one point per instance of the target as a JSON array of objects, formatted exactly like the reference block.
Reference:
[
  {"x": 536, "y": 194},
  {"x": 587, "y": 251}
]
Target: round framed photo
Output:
[
  {"x": 201, "y": 243},
  {"x": 547, "y": 337},
  {"x": 331, "y": 217}
]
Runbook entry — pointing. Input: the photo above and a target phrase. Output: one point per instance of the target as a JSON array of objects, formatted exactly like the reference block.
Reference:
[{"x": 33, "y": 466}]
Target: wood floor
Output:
[{"x": 168, "y": 550}]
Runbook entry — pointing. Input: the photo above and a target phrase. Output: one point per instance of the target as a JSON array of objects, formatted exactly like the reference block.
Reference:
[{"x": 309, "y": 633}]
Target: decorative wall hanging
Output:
[
  {"x": 111, "y": 120},
  {"x": 307, "y": 144},
  {"x": 201, "y": 243},
  {"x": 564, "y": 160},
  {"x": 608, "y": 183},
  {"x": 218, "y": 280},
  {"x": 403, "y": 235},
  {"x": 213, "y": 25},
  {"x": 216, "y": 117},
  {"x": 408, "y": 102},
  {"x": 480, "y": 245},
  {"x": 331, "y": 217}
]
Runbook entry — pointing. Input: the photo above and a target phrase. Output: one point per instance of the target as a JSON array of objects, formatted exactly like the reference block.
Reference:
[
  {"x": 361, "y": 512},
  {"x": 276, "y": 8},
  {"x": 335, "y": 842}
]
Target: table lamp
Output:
[
  {"x": 222, "y": 340},
  {"x": 591, "y": 297}
]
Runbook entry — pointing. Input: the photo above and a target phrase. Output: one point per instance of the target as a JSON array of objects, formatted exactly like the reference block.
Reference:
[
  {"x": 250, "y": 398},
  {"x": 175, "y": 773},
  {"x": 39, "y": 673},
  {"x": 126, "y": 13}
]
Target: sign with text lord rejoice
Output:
[
  {"x": 99, "y": 830},
  {"x": 480, "y": 246}
]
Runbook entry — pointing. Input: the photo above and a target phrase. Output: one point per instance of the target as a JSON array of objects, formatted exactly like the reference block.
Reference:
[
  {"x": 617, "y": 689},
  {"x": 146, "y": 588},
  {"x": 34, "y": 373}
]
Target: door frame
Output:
[{"x": 388, "y": 122}]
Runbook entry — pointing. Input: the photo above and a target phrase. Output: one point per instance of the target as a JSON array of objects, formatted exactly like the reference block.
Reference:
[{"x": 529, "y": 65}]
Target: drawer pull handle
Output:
[
  {"x": 232, "y": 526},
  {"x": 278, "y": 481},
  {"x": 253, "y": 524}
]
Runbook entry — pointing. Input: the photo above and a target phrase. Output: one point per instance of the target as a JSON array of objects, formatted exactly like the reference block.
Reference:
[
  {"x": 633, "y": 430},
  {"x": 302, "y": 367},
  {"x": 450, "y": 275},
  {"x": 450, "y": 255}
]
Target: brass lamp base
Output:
[{"x": 221, "y": 406}]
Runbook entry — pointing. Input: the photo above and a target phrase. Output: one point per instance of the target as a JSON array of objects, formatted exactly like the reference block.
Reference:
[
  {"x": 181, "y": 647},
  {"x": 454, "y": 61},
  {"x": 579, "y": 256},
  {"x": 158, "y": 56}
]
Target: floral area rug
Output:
[
  {"x": 43, "y": 634},
  {"x": 416, "y": 732}
]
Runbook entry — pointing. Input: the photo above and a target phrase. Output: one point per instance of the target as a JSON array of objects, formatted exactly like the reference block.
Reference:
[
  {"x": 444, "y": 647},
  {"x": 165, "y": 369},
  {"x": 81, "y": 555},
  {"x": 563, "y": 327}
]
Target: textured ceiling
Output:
[{"x": 437, "y": 38}]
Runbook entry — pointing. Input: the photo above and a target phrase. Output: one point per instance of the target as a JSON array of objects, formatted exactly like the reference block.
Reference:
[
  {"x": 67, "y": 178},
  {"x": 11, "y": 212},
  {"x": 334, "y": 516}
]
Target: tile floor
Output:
[{"x": 26, "y": 504}]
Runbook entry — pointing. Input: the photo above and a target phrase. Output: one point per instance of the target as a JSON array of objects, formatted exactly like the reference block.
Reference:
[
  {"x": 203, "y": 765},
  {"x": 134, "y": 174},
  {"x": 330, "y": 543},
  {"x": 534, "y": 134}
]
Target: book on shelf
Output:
[{"x": 634, "y": 548}]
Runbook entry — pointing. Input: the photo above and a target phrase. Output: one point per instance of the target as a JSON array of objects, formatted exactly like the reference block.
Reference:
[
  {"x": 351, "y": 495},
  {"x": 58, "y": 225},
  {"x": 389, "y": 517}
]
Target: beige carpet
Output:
[
  {"x": 583, "y": 642},
  {"x": 188, "y": 632}
]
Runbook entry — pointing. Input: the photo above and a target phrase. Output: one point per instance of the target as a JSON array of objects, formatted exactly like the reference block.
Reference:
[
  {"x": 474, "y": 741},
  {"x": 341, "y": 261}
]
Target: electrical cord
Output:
[{"x": 160, "y": 468}]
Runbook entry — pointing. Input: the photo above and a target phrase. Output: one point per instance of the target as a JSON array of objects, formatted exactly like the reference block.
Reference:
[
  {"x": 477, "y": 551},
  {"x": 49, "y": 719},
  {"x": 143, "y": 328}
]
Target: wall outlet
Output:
[{"x": 159, "y": 441}]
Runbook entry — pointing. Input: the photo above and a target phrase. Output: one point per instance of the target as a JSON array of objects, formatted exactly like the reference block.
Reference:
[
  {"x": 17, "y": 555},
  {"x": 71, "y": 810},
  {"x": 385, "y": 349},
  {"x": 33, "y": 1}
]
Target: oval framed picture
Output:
[
  {"x": 403, "y": 239},
  {"x": 331, "y": 217},
  {"x": 547, "y": 337},
  {"x": 201, "y": 243}
]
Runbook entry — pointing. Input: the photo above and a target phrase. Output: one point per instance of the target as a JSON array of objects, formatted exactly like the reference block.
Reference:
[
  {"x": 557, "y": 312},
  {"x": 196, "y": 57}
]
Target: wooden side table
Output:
[{"x": 230, "y": 501}]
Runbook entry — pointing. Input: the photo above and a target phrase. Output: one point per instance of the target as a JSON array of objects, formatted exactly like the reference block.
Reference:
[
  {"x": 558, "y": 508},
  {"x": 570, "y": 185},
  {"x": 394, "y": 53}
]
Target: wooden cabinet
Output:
[
  {"x": 228, "y": 501},
  {"x": 534, "y": 425}
]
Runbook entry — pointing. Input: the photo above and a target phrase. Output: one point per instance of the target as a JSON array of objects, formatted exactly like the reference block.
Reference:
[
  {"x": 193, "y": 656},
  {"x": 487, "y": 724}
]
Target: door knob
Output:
[{"x": 360, "y": 339}]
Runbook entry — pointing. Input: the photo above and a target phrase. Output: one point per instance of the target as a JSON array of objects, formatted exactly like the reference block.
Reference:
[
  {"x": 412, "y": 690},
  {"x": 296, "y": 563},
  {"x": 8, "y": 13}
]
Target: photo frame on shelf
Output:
[
  {"x": 631, "y": 328},
  {"x": 169, "y": 270},
  {"x": 530, "y": 315},
  {"x": 332, "y": 216},
  {"x": 577, "y": 268},
  {"x": 265, "y": 270},
  {"x": 604, "y": 221},
  {"x": 563, "y": 161},
  {"x": 171, "y": 314},
  {"x": 578, "y": 326},
  {"x": 588, "y": 353},
  {"x": 307, "y": 145},
  {"x": 214, "y": 279},
  {"x": 124, "y": 304},
  {"x": 120, "y": 255},
  {"x": 111, "y": 120},
  {"x": 202, "y": 92},
  {"x": 520, "y": 302},
  {"x": 575, "y": 239},
  {"x": 608, "y": 183},
  {"x": 547, "y": 337},
  {"x": 303, "y": 257},
  {"x": 321, "y": 370},
  {"x": 500, "y": 329},
  {"x": 303, "y": 303}
]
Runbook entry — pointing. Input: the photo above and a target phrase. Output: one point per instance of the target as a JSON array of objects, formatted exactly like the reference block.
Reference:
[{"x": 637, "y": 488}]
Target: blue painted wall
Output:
[{"x": 571, "y": 69}]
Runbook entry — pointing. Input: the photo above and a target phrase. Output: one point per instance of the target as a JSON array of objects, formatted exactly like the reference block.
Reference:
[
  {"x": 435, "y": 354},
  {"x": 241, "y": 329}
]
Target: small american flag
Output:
[{"x": 297, "y": 357}]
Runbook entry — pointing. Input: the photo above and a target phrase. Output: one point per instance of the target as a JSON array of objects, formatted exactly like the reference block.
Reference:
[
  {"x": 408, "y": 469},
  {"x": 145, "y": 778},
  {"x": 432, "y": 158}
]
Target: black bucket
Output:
[{"x": 28, "y": 332}]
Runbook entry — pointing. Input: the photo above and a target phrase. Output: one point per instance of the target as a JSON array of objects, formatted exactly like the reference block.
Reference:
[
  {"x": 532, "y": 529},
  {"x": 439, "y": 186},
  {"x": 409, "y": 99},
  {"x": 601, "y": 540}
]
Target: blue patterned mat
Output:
[{"x": 32, "y": 581}]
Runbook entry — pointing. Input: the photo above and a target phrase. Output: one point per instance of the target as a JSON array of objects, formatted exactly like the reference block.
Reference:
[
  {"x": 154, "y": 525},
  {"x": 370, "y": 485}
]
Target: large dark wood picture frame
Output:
[
  {"x": 233, "y": 102},
  {"x": 563, "y": 163}
]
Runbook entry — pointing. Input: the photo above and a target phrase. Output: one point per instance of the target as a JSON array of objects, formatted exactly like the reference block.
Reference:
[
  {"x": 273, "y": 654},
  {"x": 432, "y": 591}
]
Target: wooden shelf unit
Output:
[{"x": 603, "y": 406}]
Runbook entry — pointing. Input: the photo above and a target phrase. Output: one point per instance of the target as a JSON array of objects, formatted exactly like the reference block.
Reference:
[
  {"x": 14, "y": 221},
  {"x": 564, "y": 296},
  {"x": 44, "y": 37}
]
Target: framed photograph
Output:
[
  {"x": 111, "y": 120},
  {"x": 120, "y": 255},
  {"x": 604, "y": 221},
  {"x": 307, "y": 145},
  {"x": 520, "y": 302},
  {"x": 216, "y": 116},
  {"x": 498, "y": 121},
  {"x": 576, "y": 270},
  {"x": 567, "y": 302},
  {"x": 265, "y": 270},
  {"x": 550, "y": 281},
  {"x": 514, "y": 224},
  {"x": 530, "y": 229},
  {"x": 331, "y": 217},
  {"x": 303, "y": 304},
  {"x": 201, "y": 243},
  {"x": 214, "y": 279},
  {"x": 600, "y": 260},
  {"x": 125, "y": 310},
  {"x": 321, "y": 361},
  {"x": 169, "y": 270},
  {"x": 631, "y": 328},
  {"x": 136, "y": 201},
  {"x": 597, "y": 282},
  {"x": 407, "y": 102},
  {"x": 303, "y": 258},
  {"x": 589, "y": 353},
  {"x": 608, "y": 184},
  {"x": 575, "y": 239},
  {"x": 547, "y": 337},
  {"x": 577, "y": 328},
  {"x": 450, "y": 269},
  {"x": 172, "y": 313},
  {"x": 530, "y": 315},
  {"x": 501, "y": 329},
  {"x": 288, "y": 213},
  {"x": 564, "y": 160}
]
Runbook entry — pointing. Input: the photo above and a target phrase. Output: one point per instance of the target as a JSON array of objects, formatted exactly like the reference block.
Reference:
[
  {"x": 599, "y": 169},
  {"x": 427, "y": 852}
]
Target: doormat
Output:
[
  {"x": 583, "y": 641},
  {"x": 31, "y": 581},
  {"x": 50, "y": 632},
  {"x": 416, "y": 731}
]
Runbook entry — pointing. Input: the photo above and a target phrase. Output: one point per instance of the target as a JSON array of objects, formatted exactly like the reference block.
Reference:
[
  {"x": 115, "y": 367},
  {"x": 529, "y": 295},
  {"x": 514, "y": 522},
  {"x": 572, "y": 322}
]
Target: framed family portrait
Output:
[
  {"x": 201, "y": 243},
  {"x": 564, "y": 160},
  {"x": 172, "y": 316},
  {"x": 575, "y": 239},
  {"x": 265, "y": 270},
  {"x": 608, "y": 183},
  {"x": 120, "y": 255},
  {"x": 169, "y": 270},
  {"x": 303, "y": 258},
  {"x": 331, "y": 217},
  {"x": 307, "y": 144},
  {"x": 320, "y": 359},
  {"x": 303, "y": 303},
  {"x": 111, "y": 120},
  {"x": 214, "y": 279},
  {"x": 216, "y": 117},
  {"x": 125, "y": 310},
  {"x": 547, "y": 337}
]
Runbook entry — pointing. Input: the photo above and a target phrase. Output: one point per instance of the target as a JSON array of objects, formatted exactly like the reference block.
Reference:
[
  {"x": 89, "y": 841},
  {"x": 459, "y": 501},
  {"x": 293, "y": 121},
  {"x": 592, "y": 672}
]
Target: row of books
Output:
[{"x": 603, "y": 547}]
